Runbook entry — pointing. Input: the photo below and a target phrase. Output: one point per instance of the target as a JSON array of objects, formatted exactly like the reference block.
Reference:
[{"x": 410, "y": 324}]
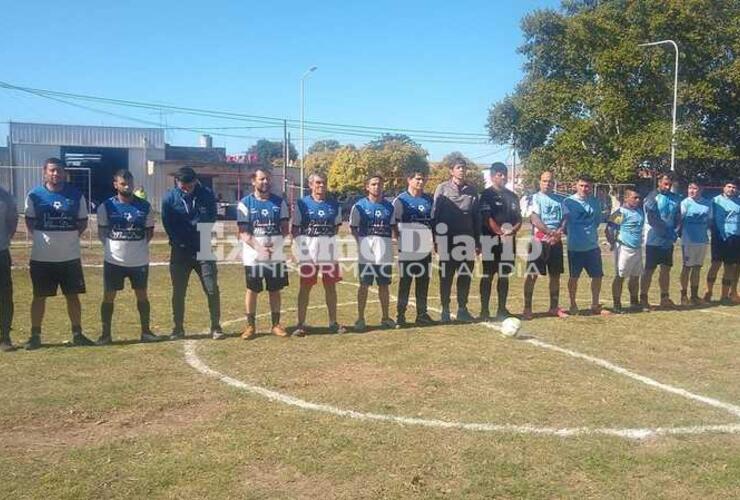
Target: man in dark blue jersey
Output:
[
  {"x": 413, "y": 213},
  {"x": 315, "y": 222},
  {"x": 56, "y": 216},
  {"x": 125, "y": 226},
  {"x": 262, "y": 218}
]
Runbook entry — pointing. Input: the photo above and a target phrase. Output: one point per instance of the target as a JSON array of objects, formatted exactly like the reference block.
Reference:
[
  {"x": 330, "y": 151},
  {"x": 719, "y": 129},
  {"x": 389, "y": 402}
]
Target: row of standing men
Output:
[{"x": 457, "y": 222}]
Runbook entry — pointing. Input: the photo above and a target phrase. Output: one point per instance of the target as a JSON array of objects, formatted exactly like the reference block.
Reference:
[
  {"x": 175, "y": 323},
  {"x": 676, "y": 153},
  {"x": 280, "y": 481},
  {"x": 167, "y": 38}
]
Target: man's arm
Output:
[
  {"x": 653, "y": 217},
  {"x": 354, "y": 223},
  {"x": 297, "y": 220},
  {"x": 102, "y": 223},
  {"x": 82, "y": 216}
]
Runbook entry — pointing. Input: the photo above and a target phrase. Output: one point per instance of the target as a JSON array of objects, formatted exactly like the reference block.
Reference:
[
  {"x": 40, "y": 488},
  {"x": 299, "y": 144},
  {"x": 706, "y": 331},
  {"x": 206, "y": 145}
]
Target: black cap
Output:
[{"x": 185, "y": 174}]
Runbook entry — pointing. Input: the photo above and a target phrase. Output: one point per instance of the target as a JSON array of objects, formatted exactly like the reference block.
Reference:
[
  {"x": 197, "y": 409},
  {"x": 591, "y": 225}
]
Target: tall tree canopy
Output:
[
  {"x": 270, "y": 153},
  {"x": 593, "y": 101}
]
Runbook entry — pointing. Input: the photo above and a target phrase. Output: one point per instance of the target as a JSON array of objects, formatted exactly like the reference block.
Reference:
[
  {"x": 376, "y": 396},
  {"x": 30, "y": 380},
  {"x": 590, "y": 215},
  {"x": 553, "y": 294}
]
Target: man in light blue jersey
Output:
[
  {"x": 315, "y": 222},
  {"x": 546, "y": 249},
  {"x": 696, "y": 214},
  {"x": 581, "y": 216},
  {"x": 725, "y": 243},
  {"x": 662, "y": 213},
  {"x": 624, "y": 233}
]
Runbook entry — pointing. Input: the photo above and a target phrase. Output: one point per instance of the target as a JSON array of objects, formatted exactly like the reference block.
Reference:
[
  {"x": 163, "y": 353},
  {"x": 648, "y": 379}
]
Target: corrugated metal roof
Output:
[{"x": 83, "y": 135}]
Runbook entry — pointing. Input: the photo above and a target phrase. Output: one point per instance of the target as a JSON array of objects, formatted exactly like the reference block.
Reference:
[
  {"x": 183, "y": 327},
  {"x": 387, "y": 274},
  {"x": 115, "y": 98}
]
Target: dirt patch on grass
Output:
[
  {"x": 286, "y": 481},
  {"x": 78, "y": 427}
]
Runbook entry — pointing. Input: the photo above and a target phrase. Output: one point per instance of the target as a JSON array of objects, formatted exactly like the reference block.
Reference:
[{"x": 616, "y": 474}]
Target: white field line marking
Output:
[
  {"x": 723, "y": 313},
  {"x": 732, "y": 409},
  {"x": 194, "y": 361}
]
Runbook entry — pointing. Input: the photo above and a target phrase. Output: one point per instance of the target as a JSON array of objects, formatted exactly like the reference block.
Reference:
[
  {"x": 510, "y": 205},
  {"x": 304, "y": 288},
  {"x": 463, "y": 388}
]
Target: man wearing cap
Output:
[
  {"x": 8, "y": 224},
  {"x": 56, "y": 216},
  {"x": 184, "y": 209}
]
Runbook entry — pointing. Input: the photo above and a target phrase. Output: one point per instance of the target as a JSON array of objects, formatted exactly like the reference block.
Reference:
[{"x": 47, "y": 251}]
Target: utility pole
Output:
[{"x": 286, "y": 157}]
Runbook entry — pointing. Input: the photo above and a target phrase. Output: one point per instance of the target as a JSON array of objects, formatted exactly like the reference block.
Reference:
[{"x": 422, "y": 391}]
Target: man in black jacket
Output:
[{"x": 184, "y": 208}]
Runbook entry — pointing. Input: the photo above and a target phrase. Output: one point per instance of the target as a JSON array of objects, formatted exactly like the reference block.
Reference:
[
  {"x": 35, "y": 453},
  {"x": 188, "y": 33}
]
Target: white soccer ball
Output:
[{"x": 510, "y": 326}]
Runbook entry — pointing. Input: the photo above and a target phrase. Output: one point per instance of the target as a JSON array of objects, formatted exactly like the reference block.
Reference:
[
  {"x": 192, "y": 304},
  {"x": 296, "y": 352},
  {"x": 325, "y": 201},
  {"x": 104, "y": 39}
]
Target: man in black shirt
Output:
[{"x": 500, "y": 220}]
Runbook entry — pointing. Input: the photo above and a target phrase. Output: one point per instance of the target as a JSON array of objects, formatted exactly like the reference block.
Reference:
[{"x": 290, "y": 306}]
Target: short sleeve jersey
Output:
[
  {"x": 414, "y": 217},
  {"x": 502, "y": 206},
  {"x": 582, "y": 222},
  {"x": 695, "y": 216},
  {"x": 262, "y": 219},
  {"x": 317, "y": 218},
  {"x": 665, "y": 206},
  {"x": 726, "y": 216},
  {"x": 372, "y": 219},
  {"x": 549, "y": 208},
  {"x": 124, "y": 226},
  {"x": 55, "y": 217},
  {"x": 630, "y": 224}
]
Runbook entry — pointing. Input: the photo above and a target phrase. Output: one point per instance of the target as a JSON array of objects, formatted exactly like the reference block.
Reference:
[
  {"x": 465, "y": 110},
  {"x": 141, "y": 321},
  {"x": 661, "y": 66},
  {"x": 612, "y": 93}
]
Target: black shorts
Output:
[
  {"x": 275, "y": 277},
  {"x": 375, "y": 273},
  {"x": 114, "y": 277},
  {"x": 727, "y": 251},
  {"x": 655, "y": 256},
  {"x": 46, "y": 277},
  {"x": 6, "y": 277},
  {"x": 421, "y": 268},
  {"x": 550, "y": 260}
]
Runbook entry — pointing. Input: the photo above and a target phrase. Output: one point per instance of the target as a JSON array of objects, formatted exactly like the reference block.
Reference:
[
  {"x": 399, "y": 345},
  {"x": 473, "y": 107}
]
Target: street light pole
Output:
[
  {"x": 303, "y": 113},
  {"x": 675, "y": 97}
]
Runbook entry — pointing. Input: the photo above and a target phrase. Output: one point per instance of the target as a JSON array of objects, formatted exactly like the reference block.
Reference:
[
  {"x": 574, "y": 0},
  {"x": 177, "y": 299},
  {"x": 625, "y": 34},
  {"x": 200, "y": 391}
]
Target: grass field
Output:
[{"x": 136, "y": 420}]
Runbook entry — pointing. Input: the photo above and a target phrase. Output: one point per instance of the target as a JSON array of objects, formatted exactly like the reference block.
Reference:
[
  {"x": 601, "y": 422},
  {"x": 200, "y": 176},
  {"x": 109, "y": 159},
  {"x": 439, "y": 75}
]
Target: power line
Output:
[{"x": 355, "y": 130}]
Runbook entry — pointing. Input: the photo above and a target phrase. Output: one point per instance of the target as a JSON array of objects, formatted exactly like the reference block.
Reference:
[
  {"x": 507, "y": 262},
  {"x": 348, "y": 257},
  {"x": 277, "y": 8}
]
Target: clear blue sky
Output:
[{"x": 414, "y": 65}]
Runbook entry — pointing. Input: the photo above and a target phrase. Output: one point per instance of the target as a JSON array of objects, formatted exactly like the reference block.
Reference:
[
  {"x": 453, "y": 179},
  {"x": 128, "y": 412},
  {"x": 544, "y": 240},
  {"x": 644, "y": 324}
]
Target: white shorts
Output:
[
  {"x": 375, "y": 250},
  {"x": 627, "y": 261},
  {"x": 693, "y": 255}
]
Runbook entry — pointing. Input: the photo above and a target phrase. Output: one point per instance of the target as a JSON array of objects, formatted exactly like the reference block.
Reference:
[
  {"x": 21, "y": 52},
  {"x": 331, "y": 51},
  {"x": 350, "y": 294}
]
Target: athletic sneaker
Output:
[
  {"x": 337, "y": 328},
  {"x": 360, "y": 325},
  {"x": 696, "y": 301},
  {"x": 464, "y": 316},
  {"x": 707, "y": 298},
  {"x": 150, "y": 337},
  {"x": 597, "y": 310},
  {"x": 559, "y": 312},
  {"x": 216, "y": 333},
  {"x": 527, "y": 315},
  {"x": 6, "y": 345},
  {"x": 104, "y": 340},
  {"x": 485, "y": 315},
  {"x": 80, "y": 340},
  {"x": 667, "y": 303},
  {"x": 445, "y": 316},
  {"x": 424, "y": 320},
  {"x": 502, "y": 314},
  {"x": 401, "y": 321},
  {"x": 685, "y": 300},
  {"x": 177, "y": 335},
  {"x": 279, "y": 331},
  {"x": 34, "y": 342},
  {"x": 249, "y": 332},
  {"x": 387, "y": 323},
  {"x": 300, "y": 331},
  {"x": 725, "y": 301}
]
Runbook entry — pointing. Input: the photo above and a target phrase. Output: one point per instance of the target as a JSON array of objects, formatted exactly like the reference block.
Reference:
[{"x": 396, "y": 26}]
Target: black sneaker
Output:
[
  {"x": 150, "y": 337},
  {"x": 177, "y": 335},
  {"x": 502, "y": 314},
  {"x": 6, "y": 345},
  {"x": 337, "y": 328},
  {"x": 464, "y": 316},
  {"x": 80, "y": 340},
  {"x": 485, "y": 315},
  {"x": 444, "y": 317},
  {"x": 424, "y": 319},
  {"x": 104, "y": 340},
  {"x": 217, "y": 333},
  {"x": 401, "y": 321},
  {"x": 34, "y": 342}
]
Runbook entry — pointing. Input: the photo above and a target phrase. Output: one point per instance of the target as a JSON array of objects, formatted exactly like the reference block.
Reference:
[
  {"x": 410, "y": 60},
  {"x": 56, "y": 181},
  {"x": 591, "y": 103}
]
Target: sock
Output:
[
  {"x": 275, "y": 318},
  {"x": 250, "y": 319},
  {"x": 634, "y": 300},
  {"x": 643, "y": 297},
  {"x": 144, "y": 314},
  {"x": 106, "y": 317},
  {"x": 683, "y": 292},
  {"x": 76, "y": 329},
  {"x": 663, "y": 295},
  {"x": 528, "y": 302},
  {"x": 502, "y": 288},
  {"x": 694, "y": 292},
  {"x": 554, "y": 300},
  {"x": 35, "y": 331}
]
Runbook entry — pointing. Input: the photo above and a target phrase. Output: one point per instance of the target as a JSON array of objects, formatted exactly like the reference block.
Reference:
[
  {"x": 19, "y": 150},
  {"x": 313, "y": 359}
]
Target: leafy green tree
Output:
[
  {"x": 440, "y": 172},
  {"x": 319, "y": 161},
  {"x": 387, "y": 139},
  {"x": 324, "y": 146},
  {"x": 347, "y": 173},
  {"x": 270, "y": 153},
  {"x": 592, "y": 100}
]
